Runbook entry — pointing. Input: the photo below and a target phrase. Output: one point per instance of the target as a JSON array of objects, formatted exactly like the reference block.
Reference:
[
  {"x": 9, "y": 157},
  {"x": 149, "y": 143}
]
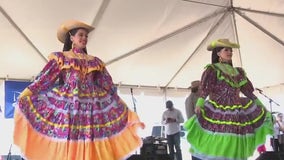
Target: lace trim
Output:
[
  {"x": 227, "y": 78},
  {"x": 233, "y": 107},
  {"x": 215, "y": 121},
  {"x": 70, "y": 59}
]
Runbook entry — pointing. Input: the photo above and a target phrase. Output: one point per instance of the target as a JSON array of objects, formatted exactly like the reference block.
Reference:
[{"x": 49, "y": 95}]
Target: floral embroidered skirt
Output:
[
  {"x": 54, "y": 127},
  {"x": 228, "y": 132}
]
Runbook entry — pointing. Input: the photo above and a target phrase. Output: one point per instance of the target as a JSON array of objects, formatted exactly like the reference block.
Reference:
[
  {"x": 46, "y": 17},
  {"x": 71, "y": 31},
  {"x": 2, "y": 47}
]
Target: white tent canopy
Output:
[
  {"x": 152, "y": 46},
  {"x": 147, "y": 43}
]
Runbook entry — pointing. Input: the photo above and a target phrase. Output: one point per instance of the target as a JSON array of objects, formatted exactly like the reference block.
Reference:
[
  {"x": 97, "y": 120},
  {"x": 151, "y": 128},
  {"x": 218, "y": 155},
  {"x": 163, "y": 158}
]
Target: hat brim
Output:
[
  {"x": 216, "y": 44},
  {"x": 195, "y": 84},
  {"x": 69, "y": 25}
]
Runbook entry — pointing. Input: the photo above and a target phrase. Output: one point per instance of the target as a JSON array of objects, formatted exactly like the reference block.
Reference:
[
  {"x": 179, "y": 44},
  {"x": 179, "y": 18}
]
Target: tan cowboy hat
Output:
[
  {"x": 195, "y": 84},
  {"x": 69, "y": 25},
  {"x": 222, "y": 43}
]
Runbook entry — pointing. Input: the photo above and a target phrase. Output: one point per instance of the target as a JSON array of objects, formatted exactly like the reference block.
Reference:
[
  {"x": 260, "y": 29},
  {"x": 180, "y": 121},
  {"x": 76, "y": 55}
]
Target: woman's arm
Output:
[
  {"x": 247, "y": 89},
  {"x": 104, "y": 79},
  {"x": 208, "y": 80},
  {"x": 44, "y": 79}
]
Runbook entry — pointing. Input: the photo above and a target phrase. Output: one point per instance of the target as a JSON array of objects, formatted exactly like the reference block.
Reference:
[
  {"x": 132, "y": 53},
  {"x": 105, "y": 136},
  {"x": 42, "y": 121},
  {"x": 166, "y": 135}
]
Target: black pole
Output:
[
  {"x": 270, "y": 100},
  {"x": 9, "y": 153},
  {"x": 133, "y": 100},
  {"x": 270, "y": 105},
  {"x": 134, "y": 104}
]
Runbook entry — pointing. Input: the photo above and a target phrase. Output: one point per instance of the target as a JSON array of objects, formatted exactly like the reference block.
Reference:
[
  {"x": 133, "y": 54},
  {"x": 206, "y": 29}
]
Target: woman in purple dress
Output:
[
  {"x": 72, "y": 110},
  {"x": 227, "y": 126}
]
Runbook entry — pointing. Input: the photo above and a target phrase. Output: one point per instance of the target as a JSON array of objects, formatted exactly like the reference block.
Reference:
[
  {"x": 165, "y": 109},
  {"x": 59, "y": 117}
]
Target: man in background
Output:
[
  {"x": 278, "y": 137},
  {"x": 191, "y": 99},
  {"x": 172, "y": 118}
]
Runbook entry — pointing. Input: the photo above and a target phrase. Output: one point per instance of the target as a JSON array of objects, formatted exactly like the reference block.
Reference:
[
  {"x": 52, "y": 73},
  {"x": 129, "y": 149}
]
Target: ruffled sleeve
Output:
[
  {"x": 208, "y": 78},
  {"x": 103, "y": 79},
  {"x": 247, "y": 89},
  {"x": 45, "y": 79}
]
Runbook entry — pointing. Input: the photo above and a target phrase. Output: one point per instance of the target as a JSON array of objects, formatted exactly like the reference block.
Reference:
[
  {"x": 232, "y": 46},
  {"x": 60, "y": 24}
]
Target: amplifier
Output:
[
  {"x": 271, "y": 156},
  {"x": 136, "y": 157},
  {"x": 12, "y": 157},
  {"x": 153, "y": 149},
  {"x": 145, "y": 157}
]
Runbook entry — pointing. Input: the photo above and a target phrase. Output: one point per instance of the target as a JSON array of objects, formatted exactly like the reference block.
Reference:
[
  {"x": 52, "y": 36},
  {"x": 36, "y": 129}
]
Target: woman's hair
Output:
[
  {"x": 68, "y": 43},
  {"x": 215, "y": 57}
]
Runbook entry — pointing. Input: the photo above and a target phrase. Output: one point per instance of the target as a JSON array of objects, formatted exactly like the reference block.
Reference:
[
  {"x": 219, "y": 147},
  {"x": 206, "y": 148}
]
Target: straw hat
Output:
[
  {"x": 222, "y": 43},
  {"x": 69, "y": 25},
  {"x": 195, "y": 84}
]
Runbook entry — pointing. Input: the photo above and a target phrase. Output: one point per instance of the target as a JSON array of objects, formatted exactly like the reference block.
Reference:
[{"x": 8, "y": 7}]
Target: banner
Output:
[{"x": 12, "y": 91}]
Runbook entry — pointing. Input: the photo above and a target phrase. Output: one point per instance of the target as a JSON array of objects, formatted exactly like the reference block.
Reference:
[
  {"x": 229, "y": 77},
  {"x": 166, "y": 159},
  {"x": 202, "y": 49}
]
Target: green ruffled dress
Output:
[{"x": 229, "y": 126}]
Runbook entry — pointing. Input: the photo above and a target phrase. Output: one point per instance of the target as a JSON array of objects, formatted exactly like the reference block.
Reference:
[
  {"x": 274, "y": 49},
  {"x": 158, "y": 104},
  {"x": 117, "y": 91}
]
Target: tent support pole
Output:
[
  {"x": 22, "y": 33},
  {"x": 149, "y": 44},
  {"x": 210, "y": 32},
  {"x": 100, "y": 13},
  {"x": 260, "y": 28},
  {"x": 237, "y": 35},
  {"x": 208, "y": 4},
  {"x": 261, "y": 12}
]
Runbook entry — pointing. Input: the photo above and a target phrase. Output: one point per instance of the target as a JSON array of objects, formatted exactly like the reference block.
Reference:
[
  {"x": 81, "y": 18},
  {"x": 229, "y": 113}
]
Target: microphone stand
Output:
[
  {"x": 134, "y": 105},
  {"x": 9, "y": 154},
  {"x": 133, "y": 100},
  {"x": 270, "y": 100},
  {"x": 270, "y": 104}
]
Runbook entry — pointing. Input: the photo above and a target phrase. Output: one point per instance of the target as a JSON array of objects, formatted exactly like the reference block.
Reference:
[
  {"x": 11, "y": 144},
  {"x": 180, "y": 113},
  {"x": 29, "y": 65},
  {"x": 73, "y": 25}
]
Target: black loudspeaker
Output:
[
  {"x": 163, "y": 157},
  {"x": 271, "y": 156},
  {"x": 150, "y": 157},
  {"x": 153, "y": 149},
  {"x": 12, "y": 157},
  {"x": 135, "y": 157}
]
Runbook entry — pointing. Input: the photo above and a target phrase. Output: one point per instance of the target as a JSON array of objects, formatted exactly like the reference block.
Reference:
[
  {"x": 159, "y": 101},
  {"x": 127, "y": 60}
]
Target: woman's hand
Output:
[
  {"x": 170, "y": 120},
  {"x": 25, "y": 93},
  {"x": 197, "y": 110}
]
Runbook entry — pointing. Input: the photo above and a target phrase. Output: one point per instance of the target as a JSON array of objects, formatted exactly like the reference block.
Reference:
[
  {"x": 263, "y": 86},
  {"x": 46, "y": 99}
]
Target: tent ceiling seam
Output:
[
  {"x": 236, "y": 34},
  {"x": 260, "y": 12},
  {"x": 180, "y": 30},
  {"x": 260, "y": 27},
  {"x": 21, "y": 32},
  {"x": 210, "y": 32},
  {"x": 209, "y": 4},
  {"x": 100, "y": 13},
  {"x": 150, "y": 87}
]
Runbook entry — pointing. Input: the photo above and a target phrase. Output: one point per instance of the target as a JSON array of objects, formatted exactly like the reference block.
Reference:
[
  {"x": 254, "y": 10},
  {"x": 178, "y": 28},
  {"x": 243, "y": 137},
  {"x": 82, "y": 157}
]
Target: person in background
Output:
[
  {"x": 172, "y": 118},
  {"x": 192, "y": 99},
  {"x": 72, "y": 110},
  {"x": 227, "y": 126},
  {"x": 278, "y": 137}
]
